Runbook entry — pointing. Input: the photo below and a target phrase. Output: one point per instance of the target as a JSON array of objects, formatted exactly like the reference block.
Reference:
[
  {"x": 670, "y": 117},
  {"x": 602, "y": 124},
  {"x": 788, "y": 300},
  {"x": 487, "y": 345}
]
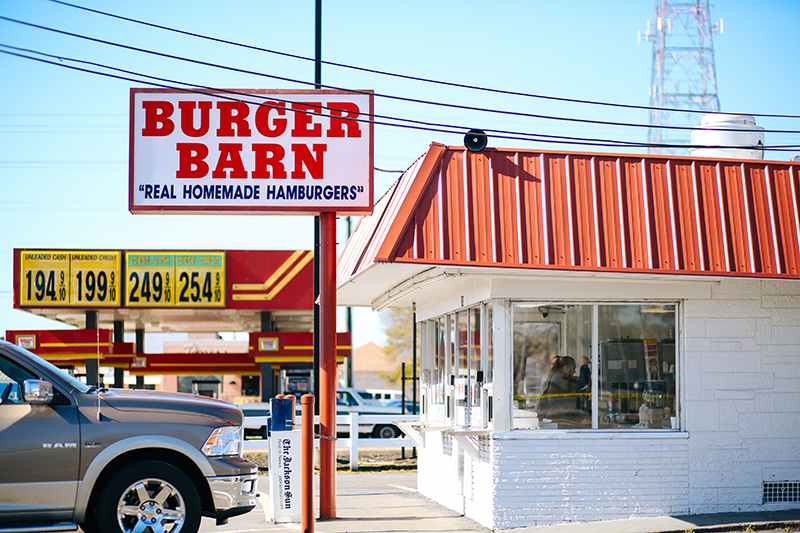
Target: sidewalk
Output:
[
  {"x": 388, "y": 501},
  {"x": 365, "y": 502},
  {"x": 725, "y": 522}
]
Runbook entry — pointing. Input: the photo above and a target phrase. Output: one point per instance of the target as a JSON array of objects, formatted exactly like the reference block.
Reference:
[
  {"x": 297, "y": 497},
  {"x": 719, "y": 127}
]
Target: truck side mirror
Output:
[{"x": 38, "y": 392}]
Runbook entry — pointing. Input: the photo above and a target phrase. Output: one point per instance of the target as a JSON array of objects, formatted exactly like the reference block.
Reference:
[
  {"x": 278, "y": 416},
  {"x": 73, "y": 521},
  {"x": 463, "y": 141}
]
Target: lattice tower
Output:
[{"x": 683, "y": 75}]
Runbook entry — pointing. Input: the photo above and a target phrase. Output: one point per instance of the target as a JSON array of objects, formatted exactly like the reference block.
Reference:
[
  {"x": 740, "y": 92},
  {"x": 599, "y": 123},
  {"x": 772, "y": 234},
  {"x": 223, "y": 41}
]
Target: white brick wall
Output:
[
  {"x": 532, "y": 478},
  {"x": 741, "y": 398},
  {"x": 585, "y": 477}
]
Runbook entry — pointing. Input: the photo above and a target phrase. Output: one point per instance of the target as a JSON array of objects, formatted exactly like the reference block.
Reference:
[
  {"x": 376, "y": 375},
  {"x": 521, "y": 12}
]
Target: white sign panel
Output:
[
  {"x": 301, "y": 152},
  {"x": 285, "y": 476}
]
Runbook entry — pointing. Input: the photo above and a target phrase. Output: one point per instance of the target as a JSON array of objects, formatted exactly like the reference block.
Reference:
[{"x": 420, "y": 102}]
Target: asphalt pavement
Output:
[{"x": 389, "y": 502}]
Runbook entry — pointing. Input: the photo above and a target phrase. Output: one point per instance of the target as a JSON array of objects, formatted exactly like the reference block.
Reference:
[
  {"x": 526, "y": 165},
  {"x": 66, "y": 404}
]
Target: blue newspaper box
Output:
[{"x": 282, "y": 416}]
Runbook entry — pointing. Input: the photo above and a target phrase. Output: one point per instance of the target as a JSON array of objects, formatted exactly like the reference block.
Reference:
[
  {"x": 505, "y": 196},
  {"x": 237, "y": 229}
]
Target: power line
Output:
[
  {"x": 388, "y": 171},
  {"x": 387, "y": 96},
  {"x": 403, "y": 76},
  {"x": 413, "y": 124},
  {"x": 443, "y": 128},
  {"x": 416, "y": 125}
]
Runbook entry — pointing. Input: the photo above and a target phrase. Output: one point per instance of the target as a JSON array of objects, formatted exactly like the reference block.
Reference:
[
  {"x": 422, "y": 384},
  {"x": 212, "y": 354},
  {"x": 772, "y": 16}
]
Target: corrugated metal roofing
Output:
[{"x": 586, "y": 212}]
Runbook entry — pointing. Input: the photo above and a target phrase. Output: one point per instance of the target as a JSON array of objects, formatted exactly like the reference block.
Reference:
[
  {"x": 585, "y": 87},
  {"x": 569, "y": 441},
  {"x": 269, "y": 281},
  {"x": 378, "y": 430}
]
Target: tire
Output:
[
  {"x": 385, "y": 432},
  {"x": 90, "y": 526},
  {"x": 153, "y": 492}
]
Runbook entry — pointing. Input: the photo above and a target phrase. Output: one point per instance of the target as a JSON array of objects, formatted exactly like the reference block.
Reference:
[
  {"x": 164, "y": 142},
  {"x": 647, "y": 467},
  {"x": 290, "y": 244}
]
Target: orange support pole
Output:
[
  {"x": 307, "y": 460},
  {"x": 327, "y": 365}
]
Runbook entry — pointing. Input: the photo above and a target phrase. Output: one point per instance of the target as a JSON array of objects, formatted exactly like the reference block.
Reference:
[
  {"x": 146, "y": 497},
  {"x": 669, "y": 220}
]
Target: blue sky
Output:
[{"x": 64, "y": 134}]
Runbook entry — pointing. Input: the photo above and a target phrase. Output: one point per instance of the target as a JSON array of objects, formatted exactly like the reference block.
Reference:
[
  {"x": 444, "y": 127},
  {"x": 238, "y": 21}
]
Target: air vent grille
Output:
[{"x": 781, "y": 491}]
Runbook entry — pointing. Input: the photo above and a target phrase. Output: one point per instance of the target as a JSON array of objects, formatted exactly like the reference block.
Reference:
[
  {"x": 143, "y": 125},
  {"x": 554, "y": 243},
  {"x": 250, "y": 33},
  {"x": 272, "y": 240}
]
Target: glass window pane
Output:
[
  {"x": 637, "y": 366},
  {"x": 578, "y": 352},
  {"x": 536, "y": 344},
  {"x": 475, "y": 357},
  {"x": 489, "y": 370},
  {"x": 452, "y": 367},
  {"x": 438, "y": 394},
  {"x": 462, "y": 369},
  {"x": 552, "y": 371}
]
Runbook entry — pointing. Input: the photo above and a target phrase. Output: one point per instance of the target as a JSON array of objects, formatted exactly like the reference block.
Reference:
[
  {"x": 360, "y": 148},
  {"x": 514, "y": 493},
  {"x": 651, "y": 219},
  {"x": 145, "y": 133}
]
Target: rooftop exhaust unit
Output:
[{"x": 728, "y": 136}]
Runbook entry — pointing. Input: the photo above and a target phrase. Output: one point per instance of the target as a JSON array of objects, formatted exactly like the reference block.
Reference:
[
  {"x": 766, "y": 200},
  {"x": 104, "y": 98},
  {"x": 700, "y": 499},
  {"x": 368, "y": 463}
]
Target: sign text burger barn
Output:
[{"x": 251, "y": 151}]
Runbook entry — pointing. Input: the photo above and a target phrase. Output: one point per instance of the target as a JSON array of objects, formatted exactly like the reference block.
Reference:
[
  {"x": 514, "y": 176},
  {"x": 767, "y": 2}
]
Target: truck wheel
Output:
[
  {"x": 149, "y": 497},
  {"x": 89, "y": 526},
  {"x": 385, "y": 432}
]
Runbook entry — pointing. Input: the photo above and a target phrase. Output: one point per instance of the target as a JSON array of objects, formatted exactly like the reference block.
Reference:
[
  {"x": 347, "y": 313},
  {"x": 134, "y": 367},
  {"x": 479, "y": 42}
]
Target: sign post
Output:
[{"x": 327, "y": 365}]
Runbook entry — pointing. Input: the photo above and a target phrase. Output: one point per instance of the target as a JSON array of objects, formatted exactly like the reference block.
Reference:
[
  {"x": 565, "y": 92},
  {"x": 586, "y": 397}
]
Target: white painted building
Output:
[{"x": 601, "y": 336}]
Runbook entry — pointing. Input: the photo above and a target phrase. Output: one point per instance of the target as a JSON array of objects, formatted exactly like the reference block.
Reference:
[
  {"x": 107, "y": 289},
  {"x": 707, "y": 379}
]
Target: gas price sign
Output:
[
  {"x": 175, "y": 279},
  {"x": 62, "y": 278}
]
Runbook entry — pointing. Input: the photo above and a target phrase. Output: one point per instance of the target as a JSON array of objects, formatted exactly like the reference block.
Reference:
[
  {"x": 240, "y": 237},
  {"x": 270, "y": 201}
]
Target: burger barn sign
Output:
[{"x": 239, "y": 151}]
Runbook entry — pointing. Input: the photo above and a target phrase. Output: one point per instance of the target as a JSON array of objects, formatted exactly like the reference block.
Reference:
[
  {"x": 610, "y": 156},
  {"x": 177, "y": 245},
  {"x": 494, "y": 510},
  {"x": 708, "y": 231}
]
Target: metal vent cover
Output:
[{"x": 780, "y": 491}]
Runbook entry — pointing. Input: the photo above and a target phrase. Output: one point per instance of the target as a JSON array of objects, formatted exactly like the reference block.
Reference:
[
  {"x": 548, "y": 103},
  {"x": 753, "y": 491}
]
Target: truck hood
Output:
[{"x": 149, "y": 400}]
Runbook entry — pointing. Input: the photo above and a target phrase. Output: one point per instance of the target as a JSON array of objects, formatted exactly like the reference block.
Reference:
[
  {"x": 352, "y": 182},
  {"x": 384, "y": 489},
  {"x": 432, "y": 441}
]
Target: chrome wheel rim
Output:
[{"x": 151, "y": 506}]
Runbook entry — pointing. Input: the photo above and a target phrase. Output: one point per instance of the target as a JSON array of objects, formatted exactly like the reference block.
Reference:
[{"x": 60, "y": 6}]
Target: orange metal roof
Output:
[{"x": 585, "y": 212}]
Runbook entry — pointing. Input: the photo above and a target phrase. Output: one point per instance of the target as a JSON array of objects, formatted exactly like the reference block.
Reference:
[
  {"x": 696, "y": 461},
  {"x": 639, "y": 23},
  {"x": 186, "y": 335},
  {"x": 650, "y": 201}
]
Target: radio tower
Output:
[{"x": 683, "y": 75}]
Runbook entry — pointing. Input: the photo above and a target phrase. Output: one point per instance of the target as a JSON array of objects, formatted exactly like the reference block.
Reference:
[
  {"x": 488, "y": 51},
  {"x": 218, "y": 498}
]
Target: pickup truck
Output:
[
  {"x": 114, "y": 461},
  {"x": 348, "y": 400}
]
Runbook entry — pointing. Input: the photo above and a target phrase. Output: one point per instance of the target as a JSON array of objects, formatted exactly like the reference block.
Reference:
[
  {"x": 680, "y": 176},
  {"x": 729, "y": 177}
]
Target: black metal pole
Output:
[
  {"x": 119, "y": 336},
  {"x": 92, "y": 365},
  {"x": 403, "y": 388},
  {"x": 413, "y": 359},
  {"x": 317, "y": 85},
  {"x": 349, "y": 320},
  {"x": 318, "y": 46},
  {"x": 403, "y": 401},
  {"x": 139, "y": 351},
  {"x": 416, "y": 407}
]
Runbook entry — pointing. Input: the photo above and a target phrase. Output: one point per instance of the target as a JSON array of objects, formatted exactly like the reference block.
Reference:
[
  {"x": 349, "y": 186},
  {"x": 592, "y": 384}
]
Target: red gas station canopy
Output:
[
  {"x": 74, "y": 347},
  {"x": 168, "y": 291}
]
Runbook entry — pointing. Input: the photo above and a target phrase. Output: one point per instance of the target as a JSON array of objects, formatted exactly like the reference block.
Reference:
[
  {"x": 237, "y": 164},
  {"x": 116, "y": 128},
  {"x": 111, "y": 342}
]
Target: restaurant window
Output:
[
  {"x": 554, "y": 386},
  {"x": 459, "y": 367}
]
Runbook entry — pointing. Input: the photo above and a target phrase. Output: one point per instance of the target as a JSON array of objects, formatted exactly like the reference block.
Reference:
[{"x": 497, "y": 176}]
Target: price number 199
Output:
[{"x": 96, "y": 286}]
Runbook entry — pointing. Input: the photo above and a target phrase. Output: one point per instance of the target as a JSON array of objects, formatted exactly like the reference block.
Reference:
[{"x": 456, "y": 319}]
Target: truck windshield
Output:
[{"x": 73, "y": 382}]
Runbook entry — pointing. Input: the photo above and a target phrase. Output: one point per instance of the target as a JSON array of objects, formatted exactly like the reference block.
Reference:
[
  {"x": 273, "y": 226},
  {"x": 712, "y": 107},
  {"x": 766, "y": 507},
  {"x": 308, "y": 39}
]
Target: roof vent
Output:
[{"x": 739, "y": 133}]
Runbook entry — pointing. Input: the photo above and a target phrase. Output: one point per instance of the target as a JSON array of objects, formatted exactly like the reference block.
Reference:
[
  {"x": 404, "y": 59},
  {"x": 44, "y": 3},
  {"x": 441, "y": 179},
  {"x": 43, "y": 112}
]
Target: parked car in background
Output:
[
  {"x": 411, "y": 408},
  {"x": 380, "y": 396},
  {"x": 256, "y": 415}
]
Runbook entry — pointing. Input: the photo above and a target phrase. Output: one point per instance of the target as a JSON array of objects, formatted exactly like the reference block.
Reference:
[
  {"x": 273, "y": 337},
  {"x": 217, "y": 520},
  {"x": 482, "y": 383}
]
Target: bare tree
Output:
[{"x": 399, "y": 330}]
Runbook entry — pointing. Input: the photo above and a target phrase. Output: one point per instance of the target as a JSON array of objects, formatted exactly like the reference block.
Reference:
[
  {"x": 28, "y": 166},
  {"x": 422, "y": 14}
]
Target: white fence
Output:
[{"x": 351, "y": 422}]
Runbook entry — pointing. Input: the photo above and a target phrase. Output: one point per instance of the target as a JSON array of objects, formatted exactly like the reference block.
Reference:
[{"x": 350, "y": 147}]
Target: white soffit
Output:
[{"x": 400, "y": 284}]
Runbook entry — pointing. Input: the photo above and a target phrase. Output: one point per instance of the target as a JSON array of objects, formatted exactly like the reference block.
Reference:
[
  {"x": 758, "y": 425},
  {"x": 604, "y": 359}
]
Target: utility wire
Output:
[
  {"x": 405, "y": 76},
  {"x": 238, "y": 96},
  {"x": 416, "y": 125},
  {"x": 227, "y": 94},
  {"x": 392, "y": 97}
]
